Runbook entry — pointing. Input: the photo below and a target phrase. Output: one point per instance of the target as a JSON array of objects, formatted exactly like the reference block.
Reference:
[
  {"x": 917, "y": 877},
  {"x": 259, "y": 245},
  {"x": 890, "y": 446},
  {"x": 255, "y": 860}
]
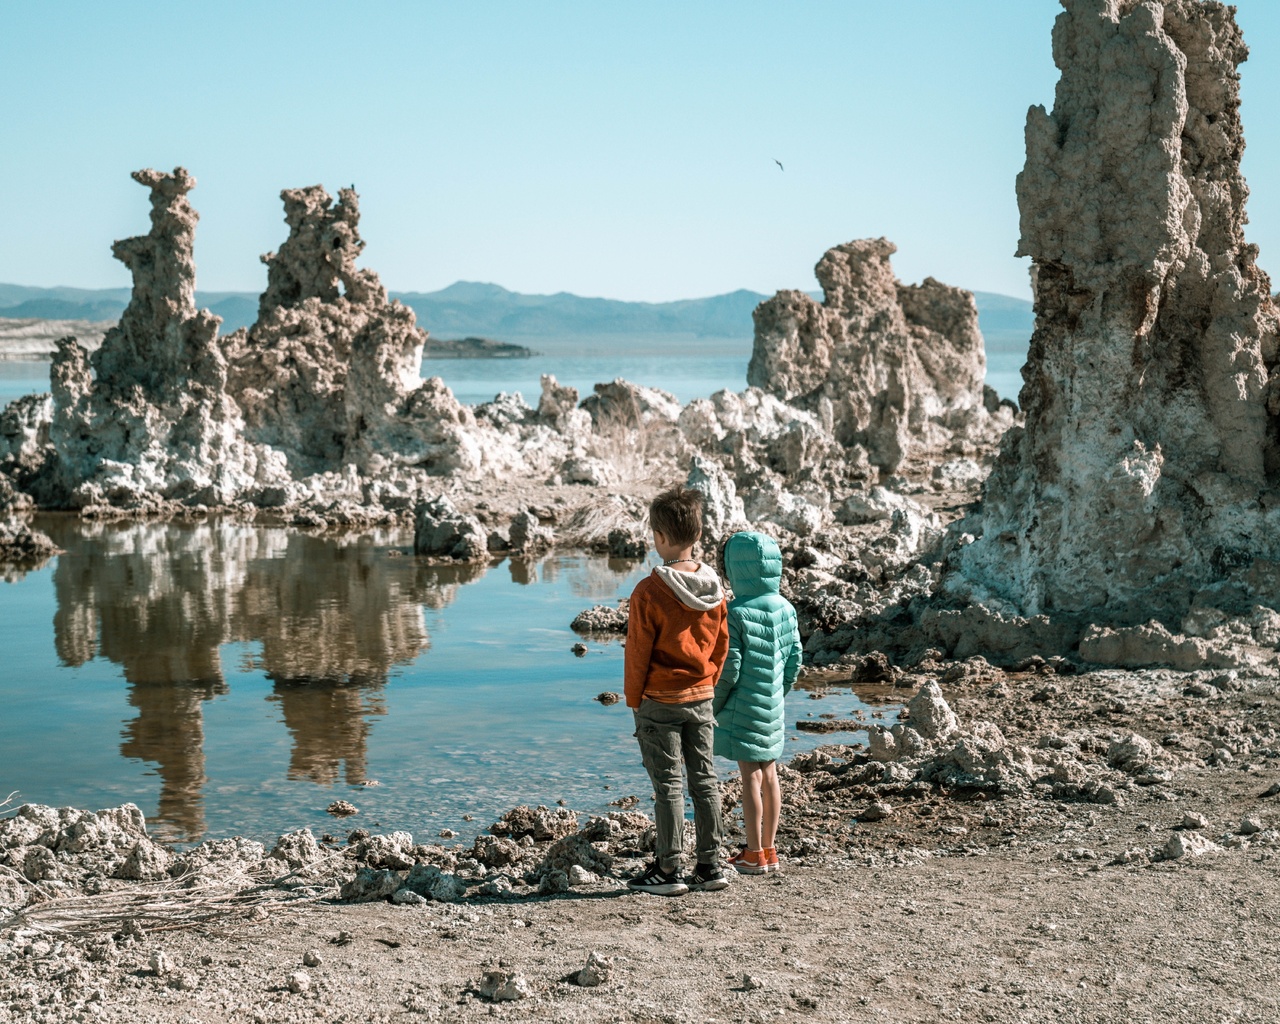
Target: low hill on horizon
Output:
[{"x": 470, "y": 308}]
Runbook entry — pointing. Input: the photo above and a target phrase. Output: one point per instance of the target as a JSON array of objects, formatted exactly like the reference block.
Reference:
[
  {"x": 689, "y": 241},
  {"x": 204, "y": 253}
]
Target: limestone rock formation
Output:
[
  {"x": 896, "y": 369},
  {"x": 722, "y": 511},
  {"x": 329, "y": 373},
  {"x": 1147, "y": 479},
  {"x": 24, "y": 437},
  {"x": 441, "y": 530},
  {"x": 19, "y": 543},
  {"x": 147, "y": 416},
  {"x": 619, "y": 403},
  {"x": 318, "y": 407}
]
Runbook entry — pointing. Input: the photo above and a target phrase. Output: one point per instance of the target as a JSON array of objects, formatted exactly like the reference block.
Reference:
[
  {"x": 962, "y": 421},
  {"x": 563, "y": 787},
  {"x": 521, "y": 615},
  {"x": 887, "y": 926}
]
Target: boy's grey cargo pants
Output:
[{"x": 670, "y": 734}]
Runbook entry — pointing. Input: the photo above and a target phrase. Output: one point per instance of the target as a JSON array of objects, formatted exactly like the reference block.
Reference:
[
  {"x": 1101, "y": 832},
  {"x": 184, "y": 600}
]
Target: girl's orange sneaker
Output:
[
  {"x": 751, "y": 862},
  {"x": 771, "y": 859}
]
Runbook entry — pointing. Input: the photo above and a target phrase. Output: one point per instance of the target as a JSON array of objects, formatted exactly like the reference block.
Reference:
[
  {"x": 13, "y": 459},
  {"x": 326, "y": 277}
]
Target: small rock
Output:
[
  {"x": 1251, "y": 825},
  {"x": 503, "y": 987},
  {"x": 877, "y": 811},
  {"x": 1274, "y": 790},
  {"x": 751, "y": 982},
  {"x": 930, "y": 715},
  {"x": 1130, "y": 753},
  {"x": 578, "y": 875},
  {"x": 608, "y": 697},
  {"x": 299, "y": 982},
  {"x": 873, "y": 667},
  {"x": 1076, "y": 853},
  {"x": 312, "y": 958},
  {"x": 498, "y": 887},
  {"x": 830, "y": 725},
  {"x": 579, "y": 649},
  {"x": 597, "y": 971},
  {"x": 342, "y": 809},
  {"x": 407, "y": 898},
  {"x": 447, "y": 833},
  {"x": 883, "y": 743},
  {"x": 161, "y": 963},
  {"x": 1188, "y": 844},
  {"x": 1194, "y": 820},
  {"x": 601, "y": 618},
  {"x": 370, "y": 884},
  {"x": 185, "y": 981}
]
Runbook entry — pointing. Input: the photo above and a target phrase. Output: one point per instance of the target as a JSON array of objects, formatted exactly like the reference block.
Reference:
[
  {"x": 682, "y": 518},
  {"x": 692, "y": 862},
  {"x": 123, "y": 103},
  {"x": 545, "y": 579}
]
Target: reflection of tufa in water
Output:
[{"x": 332, "y": 618}]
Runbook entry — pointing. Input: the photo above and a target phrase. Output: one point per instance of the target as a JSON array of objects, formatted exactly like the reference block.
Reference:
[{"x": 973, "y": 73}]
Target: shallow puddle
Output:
[{"x": 232, "y": 678}]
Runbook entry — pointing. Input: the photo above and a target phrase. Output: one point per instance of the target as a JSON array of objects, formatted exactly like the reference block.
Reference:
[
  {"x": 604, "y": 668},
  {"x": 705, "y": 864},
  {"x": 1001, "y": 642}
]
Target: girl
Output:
[{"x": 763, "y": 662}]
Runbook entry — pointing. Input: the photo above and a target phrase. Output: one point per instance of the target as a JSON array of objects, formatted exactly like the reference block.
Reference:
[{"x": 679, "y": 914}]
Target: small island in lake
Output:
[{"x": 474, "y": 348}]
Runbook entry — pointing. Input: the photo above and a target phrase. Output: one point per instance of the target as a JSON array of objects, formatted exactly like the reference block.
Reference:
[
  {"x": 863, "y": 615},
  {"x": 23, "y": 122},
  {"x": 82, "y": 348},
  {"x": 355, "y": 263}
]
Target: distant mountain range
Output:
[{"x": 560, "y": 321}]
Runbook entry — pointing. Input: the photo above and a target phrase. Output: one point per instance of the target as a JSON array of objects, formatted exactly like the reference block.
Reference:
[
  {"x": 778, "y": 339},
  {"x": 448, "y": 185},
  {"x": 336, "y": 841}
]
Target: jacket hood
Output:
[
  {"x": 699, "y": 590},
  {"x": 753, "y": 564}
]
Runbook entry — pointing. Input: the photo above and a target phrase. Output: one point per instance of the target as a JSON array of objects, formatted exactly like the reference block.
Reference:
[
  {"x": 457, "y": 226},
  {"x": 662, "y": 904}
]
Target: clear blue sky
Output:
[{"x": 611, "y": 149}]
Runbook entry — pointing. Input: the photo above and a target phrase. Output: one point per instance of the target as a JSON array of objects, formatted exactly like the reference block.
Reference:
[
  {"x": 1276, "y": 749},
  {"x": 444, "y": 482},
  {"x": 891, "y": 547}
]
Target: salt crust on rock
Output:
[
  {"x": 319, "y": 401},
  {"x": 889, "y": 367},
  {"x": 1135, "y": 520},
  {"x": 1147, "y": 478}
]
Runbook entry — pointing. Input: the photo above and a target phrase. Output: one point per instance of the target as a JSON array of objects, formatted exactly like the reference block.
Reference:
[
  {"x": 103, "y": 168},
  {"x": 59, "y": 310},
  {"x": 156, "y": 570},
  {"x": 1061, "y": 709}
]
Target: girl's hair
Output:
[{"x": 676, "y": 513}]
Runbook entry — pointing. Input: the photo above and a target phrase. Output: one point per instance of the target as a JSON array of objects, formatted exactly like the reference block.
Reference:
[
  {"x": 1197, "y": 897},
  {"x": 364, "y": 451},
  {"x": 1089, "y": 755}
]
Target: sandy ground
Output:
[{"x": 951, "y": 909}]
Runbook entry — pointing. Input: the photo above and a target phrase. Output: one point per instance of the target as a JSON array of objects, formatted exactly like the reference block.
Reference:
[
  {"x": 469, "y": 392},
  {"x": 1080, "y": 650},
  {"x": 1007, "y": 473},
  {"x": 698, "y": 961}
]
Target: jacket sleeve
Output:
[
  {"x": 640, "y": 637},
  {"x": 732, "y": 665},
  {"x": 794, "y": 655}
]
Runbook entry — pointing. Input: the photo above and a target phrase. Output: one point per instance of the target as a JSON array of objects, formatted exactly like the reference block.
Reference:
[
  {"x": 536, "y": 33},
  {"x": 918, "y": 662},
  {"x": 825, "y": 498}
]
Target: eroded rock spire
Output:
[
  {"x": 1147, "y": 478},
  {"x": 147, "y": 417},
  {"x": 893, "y": 368}
]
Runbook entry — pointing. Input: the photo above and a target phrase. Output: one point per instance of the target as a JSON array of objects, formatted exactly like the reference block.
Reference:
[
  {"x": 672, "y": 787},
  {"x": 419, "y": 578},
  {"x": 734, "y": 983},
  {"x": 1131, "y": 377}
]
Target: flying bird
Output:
[{"x": 779, "y": 163}]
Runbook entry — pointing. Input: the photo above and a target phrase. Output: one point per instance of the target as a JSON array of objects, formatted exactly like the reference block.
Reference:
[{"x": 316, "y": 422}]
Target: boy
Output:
[{"x": 677, "y": 639}]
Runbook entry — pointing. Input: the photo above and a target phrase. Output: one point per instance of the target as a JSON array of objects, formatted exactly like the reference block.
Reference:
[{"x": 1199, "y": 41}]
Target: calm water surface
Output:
[
  {"x": 231, "y": 678},
  {"x": 237, "y": 679},
  {"x": 478, "y": 380}
]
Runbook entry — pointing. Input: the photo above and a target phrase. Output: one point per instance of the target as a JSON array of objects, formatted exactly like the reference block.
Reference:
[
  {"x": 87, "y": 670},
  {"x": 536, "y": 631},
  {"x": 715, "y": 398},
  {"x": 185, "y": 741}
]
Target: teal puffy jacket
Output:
[{"x": 764, "y": 653}]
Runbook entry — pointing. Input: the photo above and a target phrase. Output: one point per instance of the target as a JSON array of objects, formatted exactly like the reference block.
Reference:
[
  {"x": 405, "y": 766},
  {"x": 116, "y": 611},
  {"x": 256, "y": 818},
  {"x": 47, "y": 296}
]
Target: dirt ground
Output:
[{"x": 957, "y": 906}]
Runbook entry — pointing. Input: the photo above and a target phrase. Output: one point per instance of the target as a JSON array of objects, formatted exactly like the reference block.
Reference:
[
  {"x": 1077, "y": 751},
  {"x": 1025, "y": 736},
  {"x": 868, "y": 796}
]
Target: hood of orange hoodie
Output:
[{"x": 699, "y": 590}]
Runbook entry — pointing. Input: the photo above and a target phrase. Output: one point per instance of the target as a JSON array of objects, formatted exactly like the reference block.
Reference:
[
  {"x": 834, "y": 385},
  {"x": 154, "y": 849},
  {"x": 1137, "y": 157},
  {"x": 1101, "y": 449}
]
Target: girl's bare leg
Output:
[
  {"x": 770, "y": 803},
  {"x": 752, "y": 812}
]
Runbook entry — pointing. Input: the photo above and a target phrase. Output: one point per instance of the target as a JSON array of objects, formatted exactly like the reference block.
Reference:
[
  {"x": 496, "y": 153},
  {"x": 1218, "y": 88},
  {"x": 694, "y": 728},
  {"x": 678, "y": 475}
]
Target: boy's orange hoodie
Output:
[{"x": 677, "y": 636}]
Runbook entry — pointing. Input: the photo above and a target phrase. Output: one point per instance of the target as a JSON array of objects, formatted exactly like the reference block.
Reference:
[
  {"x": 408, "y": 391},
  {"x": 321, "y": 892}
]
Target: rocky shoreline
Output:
[
  {"x": 1074, "y": 820},
  {"x": 1110, "y": 780}
]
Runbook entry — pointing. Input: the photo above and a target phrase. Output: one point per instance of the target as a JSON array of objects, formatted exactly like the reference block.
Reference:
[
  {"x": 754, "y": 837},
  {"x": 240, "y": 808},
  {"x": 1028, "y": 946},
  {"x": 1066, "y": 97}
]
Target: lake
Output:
[
  {"x": 473, "y": 381},
  {"x": 231, "y": 678},
  {"x": 236, "y": 679}
]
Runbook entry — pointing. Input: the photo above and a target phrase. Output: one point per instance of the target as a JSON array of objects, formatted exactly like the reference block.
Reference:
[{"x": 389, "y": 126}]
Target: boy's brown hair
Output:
[{"x": 676, "y": 513}]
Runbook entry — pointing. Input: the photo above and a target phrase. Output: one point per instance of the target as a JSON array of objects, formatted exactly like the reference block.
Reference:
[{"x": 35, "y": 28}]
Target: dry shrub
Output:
[
  {"x": 588, "y": 525},
  {"x": 640, "y": 453}
]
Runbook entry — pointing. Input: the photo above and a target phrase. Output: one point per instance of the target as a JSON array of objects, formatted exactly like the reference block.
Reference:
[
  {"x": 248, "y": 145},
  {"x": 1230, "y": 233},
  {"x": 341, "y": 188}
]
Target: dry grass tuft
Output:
[
  {"x": 588, "y": 525},
  {"x": 166, "y": 905},
  {"x": 644, "y": 454}
]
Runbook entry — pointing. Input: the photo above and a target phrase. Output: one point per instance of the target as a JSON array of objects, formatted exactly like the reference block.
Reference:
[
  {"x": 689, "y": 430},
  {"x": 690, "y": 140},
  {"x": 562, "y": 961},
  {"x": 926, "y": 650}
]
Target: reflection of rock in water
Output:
[
  {"x": 149, "y": 598},
  {"x": 327, "y": 610},
  {"x": 332, "y": 617},
  {"x": 169, "y": 730},
  {"x": 327, "y": 722}
]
